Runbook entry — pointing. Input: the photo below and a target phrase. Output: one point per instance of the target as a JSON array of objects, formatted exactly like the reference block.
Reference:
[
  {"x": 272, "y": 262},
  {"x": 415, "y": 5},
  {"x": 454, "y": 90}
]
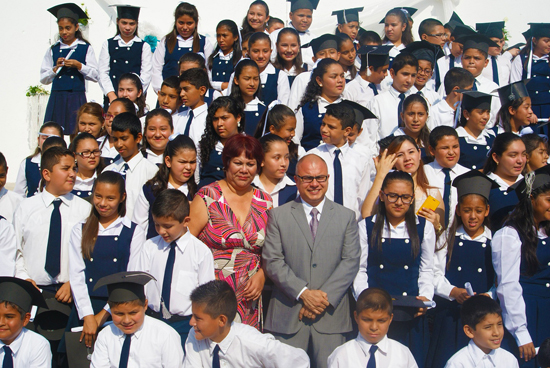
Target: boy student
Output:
[
  {"x": 349, "y": 171},
  {"x": 443, "y": 112},
  {"x": 9, "y": 201},
  {"x": 169, "y": 97},
  {"x": 136, "y": 169},
  {"x": 193, "y": 83},
  {"x": 217, "y": 341},
  {"x": 500, "y": 66},
  {"x": 482, "y": 320},
  {"x": 20, "y": 347},
  {"x": 372, "y": 347},
  {"x": 453, "y": 52},
  {"x": 134, "y": 339},
  {"x": 432, "y": 31},
  {"x": 177, "y": 260},
  {"x": 427, "y": 55}
]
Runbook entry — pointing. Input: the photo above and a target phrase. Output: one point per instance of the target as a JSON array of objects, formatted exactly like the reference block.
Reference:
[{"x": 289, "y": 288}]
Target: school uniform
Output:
[
  {"x": 222, "y": 68},
  {"x": 29, "y": 349},
  {"x": 274, "y": 86},
  {"x": 445, "y": 64},
  {"x": 192, "y": 126},
  {"x": 308, "y": 123},
  {"x": 108, "y": 153},
  {"x": 539, "y": 84},
  {"x": 153, "y": 345},
  {"x": 8, "y": 248},
  {"x": 501, "y": 202},
  {"x": 153, "y": 158},
  {"x": 285, "y": 191},
  {"x": 356, "y": 353},
  {"x": 441, "y": 114},
  {"x": 305, "y": 38},
  {"x": 291, "y": 74},
  {"x": 474, "y": 150},
  {"x": 360, "y": 91},
  {"x": 212, "y": 170},
  {"x": 68, "y": 85},
  {"x": 253, "y": 111},
  {"x": 429, "y": 95},
  {"x": 139, "y": 171},
  {"x": 28, "y": 176},
  {"x": 83, "y": 187},
  {"x": 386, "y": 84},
  {"x": 472, "y": 356},
  {"x": 298, "y": 89},
  {"x": 244, "y": 346},
  {"x": 9, "y": 201},
  {"x": 485, "y": 85},
  {"x": 502, "y": 64}
]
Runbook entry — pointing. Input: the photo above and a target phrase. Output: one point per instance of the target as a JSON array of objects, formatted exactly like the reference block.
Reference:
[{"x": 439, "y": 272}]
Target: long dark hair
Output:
[
  {"x": 313, "y": 89},
  {"x": 78, "y": 34},
  {"x": 527, "y": 49},
  {"x": 298, "y": 62},
  {"x": 532, "y": 142},
  {"x": 276, "y": 118},
  {"x": 94, "y": 109},
  {"x": 424, "y": 135},
  {"x": 154, "y": 113},
  {"x": 500, "y": 145},
  {"x": 343, "y": 37},
  {"x": 235, "y": 89},
  {"x": 237, "y": 51},
  {"x": 140, "y": 102},
  {"x": 172, "y": 37},
  {"x": 246, "y": 28},
  {"x": 395, "y": 145},
  {"x": 48, "y": 124},
  {"x": 79, "y": 138},
  {"x": 406, "y": 36},
  {"x": 504, "y": 116}
]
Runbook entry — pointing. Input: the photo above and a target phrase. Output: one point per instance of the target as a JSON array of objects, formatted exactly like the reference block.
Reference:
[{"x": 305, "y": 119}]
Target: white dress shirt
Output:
[
  {"x": 154, "y": 345},
  {"x": 140, "y": 170},
  {"x": 441, "y": 114},
  {"x": 153, "y": 158},
  {"x": 21, "y": 180},
  {"x": 358, "y": 90},
  {"x": 503, "y": 186},
  {"x": 198, "y": 124},
  {"x": 9, "y": 201},
  {"x": 77, "y": 267},
  {"x": 429, "y": 95},
  {"x": 29, "y": 349},
  {"x": 107, "y": 151},
  {"x": 283, "y": 85},
  {"x": 8, "y": 248},
  {"x": 473, "y": 357},
  {"x": 443, "y": 65},
  {"x": 244, "y": 346},
  {"x": 32, "y": 226},
  {"x": 305, "y": 38},
  {"x": 322, "y": 106},
  {"x": 470, "y": 139},
  {"x": 516, "y": 73},
  {"x": 85, "y": 185},
  {"x": 355, "y": 353},
  {"x": 504, "y": 66},
  {"x": 105, "y": 61},
  {"x": 298, "y": 89},
  {"x": 426, "y": 274},
  {"x": 89, "y": 70},
  {"x": 284, "y": 182},
  {"x": 193, "y": 266}
]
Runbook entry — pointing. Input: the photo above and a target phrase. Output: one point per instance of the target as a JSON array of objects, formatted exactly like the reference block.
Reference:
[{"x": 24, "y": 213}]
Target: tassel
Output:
[
  {"x": 530, "y": 60},
  {"x": 529, "y": 180},
  {"x": 164, "y": 311}
]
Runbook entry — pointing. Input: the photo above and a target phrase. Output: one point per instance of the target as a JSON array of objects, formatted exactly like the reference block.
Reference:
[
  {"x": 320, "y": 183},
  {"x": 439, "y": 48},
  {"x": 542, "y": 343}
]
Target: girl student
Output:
[
  {"x": 158, "y": 129},
  {"x": 130, "y": 87},
  {"x": 176, "y": 172},
  {"x": 325, "y": 87},
  {"x": 475, "y": 141},
  {"x": 104, "y": 244},
  {"x": 88, "y": 162},
  {"x": 347, "y": 51},
  {"x": 124, "y": 53},
  {"x": 515, "y": 111},
  {"x": 226, "y": 55},
  {"x": 521, "y": 258},
  {"x": 289, "y": 53},
  {"x": 66, "y": 65},
  {"x": 183, "y": 38},
  {"x": 414, "y": 117},
  {"x": 537, "y": 152},
  {"x": 118, "y": 106},
  {"x": 397, "y": 254},
  {"x": 89, "y": 119},
  {"x": 397, "y": 31},
  {"x": 28, "y": 176},
  {"x": 256, "y": 18},
  {"x": 246, "y": 89},
  {"x": 462, "y": 256},
  {"x": 348, "y": 23}
]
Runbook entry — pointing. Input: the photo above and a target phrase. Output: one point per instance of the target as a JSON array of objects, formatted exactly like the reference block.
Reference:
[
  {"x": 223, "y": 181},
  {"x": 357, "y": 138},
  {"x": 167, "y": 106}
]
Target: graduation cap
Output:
[
  {"x": 491, "y": 29},
  {"x": 51, "y": 320},
  {"x": 461, "y": 31},
  {"x": 408, "y": 11},
  {"x": 361, "y": 112},
  {"x": 127, "y": 11},
  {"x": 303, "y": 4},
  {"x": 527, "y": 35},
  {"x": 125, "y": 286},
  {"x": 516, "y": 46},
  {"x": 539, "y": 30},
  {"x": 477, "y": 41},
  {"x": 474, "y": 182},
  {"x": 68, "y": 10},
  {"x": 78, "y": 355},
  {"x": 21, "y": 293},
  {"x": 531, "y": 181},
  {"x": 424, "y": 50},
  {"x": 405, "y": 307},
  {"x": 475, "y": 100},
  {"x": 375, "y": 56},
  {"x": 348, "y": 15},
  {"x": 513, "y": 91},
  {"x": 323, "y": 42},
  {"x": 454, "y": 21}
]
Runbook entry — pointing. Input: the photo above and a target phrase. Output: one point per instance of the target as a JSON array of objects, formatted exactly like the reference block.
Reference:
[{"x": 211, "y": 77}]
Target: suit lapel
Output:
[
  {"x": 300, "y": 217},
  {"x": 326, "y": 218}
]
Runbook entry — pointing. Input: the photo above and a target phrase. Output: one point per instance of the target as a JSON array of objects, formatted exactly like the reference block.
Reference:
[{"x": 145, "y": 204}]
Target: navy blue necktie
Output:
[
  {"x": 437, "y": 76},
  {"x": 338, "y": 185},
  {"x": 53, "y": 253},
  {"x": 168, "y": 271},
  {"x": 399, "y": 109},
  {"x": 8, "y": 359},
  {"x": 447, "y": 195},
  {"x": 495, "y": 69},
  {"x": 216, "y": 357},
  {"x": 451, "y": 61},
  {"x": 474, "y": 87},
  {"x": 372, "y": 360},
  {"x": 188, "y": 126},
  {"x": 125, "y": 353},
  {"x": 125, "y": 169},
  {"x": 374, "y": 89}
]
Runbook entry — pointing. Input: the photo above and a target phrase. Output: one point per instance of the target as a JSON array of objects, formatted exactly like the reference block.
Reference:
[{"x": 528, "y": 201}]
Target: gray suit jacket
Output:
[{"x": 293, "y": 261}]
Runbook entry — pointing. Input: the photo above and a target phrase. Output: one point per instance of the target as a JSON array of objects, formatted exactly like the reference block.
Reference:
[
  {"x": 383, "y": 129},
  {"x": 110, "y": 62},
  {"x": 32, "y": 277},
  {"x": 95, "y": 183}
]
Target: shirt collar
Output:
[
  {"x": 134, "y": 161},
  {"x": 79, "y": 180},
  {"x": 48, "y": 198},
  {"x": 399, "y": 226},
  {"x": 225, "y": 343},
  {"x": 269, "y": 69},
  {"x": 343, "y": 150},
  {"x": 462, "y": 133},
  {"x": 324, "y": 103},
  {"x": 308, "y": 207},
  {"x": 478, "y": 355},
  {"x": 223, "y": 56},
  {"x": 16, "y": 344},
  {"x": 129, "y": 43},
  {"x": 437, "y": 167},
  {"x": 395, "y": 93},
  {"x": 253, "y": 105},
  {"x": 118, "y": 222},
  {"x": 365, "y": 345},
  {"x": 136, "y": 334},
  {"x": 544, "y": 57},
  {"x": 485, "y": 236},
  {"x": 73, "y": 45},
  {"x": 300, "y": 33},
  {"x": 502, "y": 184},
  {"x": 199, "y": 110},
  {"x": 151, "y": 153},
  {"x": 183, "y": 240},
  {"x": 285, "y": 181}
]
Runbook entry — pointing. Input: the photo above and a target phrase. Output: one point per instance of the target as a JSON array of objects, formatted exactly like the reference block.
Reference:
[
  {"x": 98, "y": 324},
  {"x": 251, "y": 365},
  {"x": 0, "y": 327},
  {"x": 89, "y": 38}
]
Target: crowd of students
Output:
[{"x": 334, "y": 200}]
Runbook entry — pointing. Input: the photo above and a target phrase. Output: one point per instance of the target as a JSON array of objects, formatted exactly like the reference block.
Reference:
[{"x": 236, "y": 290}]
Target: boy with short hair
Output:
[
  {"x": 134, "y": 339},
  {"x": 20, "y": 347},
  {"x": 136, "y": 169},
  {"x": 431, "y": 30},
  {"x": 372, "y": 348},
  {"x": 216, "y": 339},
  {"x": 453, "y": 52},
  {"x": 169, "y": 95},
  {"x": 177, "y": 260},
  {"x": 194, "y": 84},
  {"x": 500, "y": 66},
  {"x": 9, "y": 201},
  {"x": 482, "y": 320},
  {"x": 427, "y": 55},
  {"x": 443, "y": 112},
  {"x": 274, "y": 24}
]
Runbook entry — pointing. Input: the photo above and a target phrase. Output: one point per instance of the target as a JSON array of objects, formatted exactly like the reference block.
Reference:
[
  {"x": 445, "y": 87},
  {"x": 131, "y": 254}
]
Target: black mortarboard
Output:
[
  {"x": 527, "y": 35},
  {"x": 323, "y": 42},
  {"x": 513, "y": 91},
  {"x": 539, "y": 29},
  {"x": 475, "y": 100},
  {"x": 461, "y": 31},
  {"x": 405, "y": 307},
  {"x": 477, "y": 41},
  {"x": 347, "y": 15},
  {"x": 21, "y": 293},
  {"x": 474, "y": 182},
  {"x": 424, "y": 50},
  {"x": 409, "y": 12},
  {"x": 516, "y": 46},
  {"x": 68, "y": 10},
  {"x": 492, "y": 29},
  {"x": 542, "y": 177},
  {"x": 125, "y": 286},
  {"x": 127, "y": 12},
  {"x": 51, "y": 321},
  {"x": 78, "y": 355},
  {"x": 303, "y": 4},
  {"x": 361, "y": 112},
  {"x": 454, "y": 21},
  {"x": 375, "y": 56}
]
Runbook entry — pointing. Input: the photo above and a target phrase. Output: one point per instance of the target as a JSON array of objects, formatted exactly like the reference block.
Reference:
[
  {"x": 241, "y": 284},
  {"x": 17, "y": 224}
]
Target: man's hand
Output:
[{"x": 315, "y": 300}]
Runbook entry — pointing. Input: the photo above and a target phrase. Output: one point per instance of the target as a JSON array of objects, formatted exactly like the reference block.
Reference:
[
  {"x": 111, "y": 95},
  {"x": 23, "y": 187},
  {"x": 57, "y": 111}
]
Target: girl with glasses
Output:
[{"x": 89, "y": 163}]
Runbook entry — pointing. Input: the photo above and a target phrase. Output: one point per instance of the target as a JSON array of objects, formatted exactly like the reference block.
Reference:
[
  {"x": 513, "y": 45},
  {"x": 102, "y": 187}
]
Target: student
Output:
[
  {"x": 256, "y": 17},
  {"x": 245, "y": 89},
  {"x": 414, "y": 116},
  {"x": 134, "y": 339},
  {"x": 349, "y": 171},
  {"x": 427, "y": 55},
  {"x": 104, "y": 243},
  {"x": 9, "y": 200},
  {"x": 397, "y": 31},
  {"x": 194, "y": 84},
  {"x": 432, "y": 31},
  {"x": 397, "y": 251},
  {"x": 108, "y": 148},
  {"x": 168, "y": 97},
  {"x": 499, "y": 69},
  {"x": 369, "y": 38},
  {"x": 453, "y": 50},
  {"x": 372, "y": 348},
  {"x": 516, "y": 111},
  {"x": 536, "y": 148},
  {"x": 28, "y": 176},
  {"x": 124, "y": 53},
  {"x": 244, "y": 43},
  {"x": 348, "y": 22},
  {"x": 450, "y": 26},
  {"x": 190, "y": 61},
  {"x": 482, "y": 319},
  {"x": 274, "y": 24},
  {"x": 289, "y": 54},
  {"x": 89, "y": 119},
  {"x": 49, "y": 143},
  {"x": 135, "y": 168},
  {"x": 462, "y": 256},
  {"x": 183, "y": 38},
  {"x": 443, "y": 111},
  {"x": 20, "y": 347},
  {"x": 475, "y": 140},
  {"x": 130, "y": 87},
  {"x": 158, "y": 128},
  {"x": 505, "y": 163},
  {"x": 325, "y": 87},
  {"x": 226, "y": 55},
  {"x": 216, "y": 340},
  {"x": 176, "y": 172},
  {"x": 67, "y": 64},
  {"x": 88, "y": 163},
  {"x": 347, "y": 51}
]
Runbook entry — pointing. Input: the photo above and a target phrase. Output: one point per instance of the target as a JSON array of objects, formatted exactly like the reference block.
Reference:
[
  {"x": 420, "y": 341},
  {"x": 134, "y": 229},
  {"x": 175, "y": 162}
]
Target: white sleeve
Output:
[
  {"x": 227, "y": 91},
  {"x": 77, "y": 275},
  {"x": 297, "y": 91},
  {"x": 8, "y": 248},
  {"x": 172, "y": 352},
  {"x": 47, "y": 74},
  {"x": 158, "y": 64},
  {"x": 206, "y": 268},
  {"x": 283, "y": 88},
  {"x": 365, "y": 183},
  {"x": 442, "y": 286},
  {"x": 516, "y": 73},
  {"x": 279, "y": 355},
  {"x": 100, "y": 356},
  {"x": 146, "y": 66},
  {"x": 89, "y": 71},
  {"x": 141, "y": 211},
  {"x": 192, "y": 355},
  {"x": 136, "y": 249},
  {"x": 215, "y": 85},
  {"x": 208, "y": 49},
  {"x": 361, "y": 281},
  {"x": 21, "y": 181},
  {"x": 104, "y": 68},
  {"x": 299, "y": 131},
  {"x": 41, "y": 354},
  {"x": 426, "y": 276},
  {"x": 18, "y": 223}
]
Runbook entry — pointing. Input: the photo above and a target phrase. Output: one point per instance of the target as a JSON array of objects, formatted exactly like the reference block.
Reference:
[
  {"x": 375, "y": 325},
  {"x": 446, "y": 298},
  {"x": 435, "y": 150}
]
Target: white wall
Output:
[{"x": 29, "y": 30}]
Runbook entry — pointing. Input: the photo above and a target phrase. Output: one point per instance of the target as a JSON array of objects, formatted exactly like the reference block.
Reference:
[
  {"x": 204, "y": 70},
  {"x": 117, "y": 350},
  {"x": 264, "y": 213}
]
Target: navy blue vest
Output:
[
  {"x": 150, "y": 196},
  {"x": 69, "y": 79},
  {"x": 171, "y": 60},
  {"x": 394, "y": 268},
  {"x": 111, "y": 255},
  {"x": 212, "y": 170},
  {"x": 81, "y": 193},
  {"x": 221, "y": 69},
  {"x": 208, "y": 99},
  {"x": 311, "y": 137},
  {"x": 252, "y": 119},
  {"x": 287, "y": 194},
  {"x": 539, "y": 85},
  {"x": 123, "y": 60},
  {"x": 536, "y": 285},
  {"x": 471, "y": 261},
  {"x": 33, "y": 177},
  {"x": 268, "y": 93},
  {"x": 501, "y": 204},
  {"x": 473, "y": 156}
]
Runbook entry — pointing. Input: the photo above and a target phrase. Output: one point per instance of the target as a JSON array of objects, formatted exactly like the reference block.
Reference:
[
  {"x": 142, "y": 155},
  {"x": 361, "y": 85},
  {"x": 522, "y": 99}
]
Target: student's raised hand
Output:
[
  {"x": 71, "y": 63},
  {"x": 430, "y": 215},
  {"x": 421, "y": 311},
  {"x": 63, "y": 295},
  {"x": 111, "y": 96},
  {"x": 459, "y": 294},
  {"x": 527, "y": 351},
  {"x": 384, "y": 163},
  {"x": 254, "y": 286},
  {"x": 533, "y": 119},
  {"x": 89, "y": 331},
  {"x": 315, "y": 300}
]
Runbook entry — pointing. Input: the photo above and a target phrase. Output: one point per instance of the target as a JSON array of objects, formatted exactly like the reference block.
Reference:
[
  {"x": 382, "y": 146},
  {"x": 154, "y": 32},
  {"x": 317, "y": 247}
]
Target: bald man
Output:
[{"x": 311, "y": 253}]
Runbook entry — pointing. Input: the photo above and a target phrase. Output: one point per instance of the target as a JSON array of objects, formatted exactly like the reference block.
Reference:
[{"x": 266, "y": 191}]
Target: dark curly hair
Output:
[{"x": 313, "y": 89}]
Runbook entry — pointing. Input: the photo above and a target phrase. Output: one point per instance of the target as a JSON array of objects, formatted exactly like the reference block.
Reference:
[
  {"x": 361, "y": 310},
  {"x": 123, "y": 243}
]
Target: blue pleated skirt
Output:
[{"x": 62, "y": 108}]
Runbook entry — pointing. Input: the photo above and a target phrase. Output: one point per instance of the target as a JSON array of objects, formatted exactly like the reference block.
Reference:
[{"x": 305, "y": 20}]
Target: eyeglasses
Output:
[
  {"x": 309, "y": 179},
  {"x": 108, "y": 116},
  {"x": 405, "y": 198},
  {"x": 439, "y": 35},
  {"x": 424, "y": 71},
  {"x": 88, "y": 154}
]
